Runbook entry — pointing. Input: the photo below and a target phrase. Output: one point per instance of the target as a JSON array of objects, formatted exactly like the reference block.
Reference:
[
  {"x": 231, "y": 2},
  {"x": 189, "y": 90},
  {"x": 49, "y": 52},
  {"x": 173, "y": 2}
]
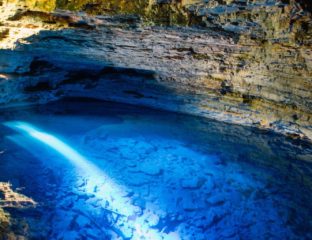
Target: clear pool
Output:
[{"x": 110, "y": 171}]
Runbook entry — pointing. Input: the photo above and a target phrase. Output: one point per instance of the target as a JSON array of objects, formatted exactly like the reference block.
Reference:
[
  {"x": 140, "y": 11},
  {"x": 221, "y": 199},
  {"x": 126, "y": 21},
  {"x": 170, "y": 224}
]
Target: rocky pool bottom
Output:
[{"x": 99, "y": 170}]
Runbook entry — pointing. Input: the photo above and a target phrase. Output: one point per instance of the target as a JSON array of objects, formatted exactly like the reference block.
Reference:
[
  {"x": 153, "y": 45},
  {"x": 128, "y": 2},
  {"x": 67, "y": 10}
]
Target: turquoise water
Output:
[{"x": 110, "y": 171}]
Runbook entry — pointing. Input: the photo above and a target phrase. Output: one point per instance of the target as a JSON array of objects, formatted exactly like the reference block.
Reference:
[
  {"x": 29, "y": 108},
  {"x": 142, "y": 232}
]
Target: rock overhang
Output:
[{"x": 247, "y": 63}]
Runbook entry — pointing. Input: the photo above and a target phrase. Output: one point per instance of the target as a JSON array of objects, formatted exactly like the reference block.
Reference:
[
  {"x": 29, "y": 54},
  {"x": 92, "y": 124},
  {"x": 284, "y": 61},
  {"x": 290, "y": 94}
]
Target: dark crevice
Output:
[{"x": 40, "y": 86}]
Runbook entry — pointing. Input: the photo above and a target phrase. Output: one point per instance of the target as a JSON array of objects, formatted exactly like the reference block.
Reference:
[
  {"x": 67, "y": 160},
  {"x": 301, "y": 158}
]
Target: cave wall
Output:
[{"x": 240, "y": 61}]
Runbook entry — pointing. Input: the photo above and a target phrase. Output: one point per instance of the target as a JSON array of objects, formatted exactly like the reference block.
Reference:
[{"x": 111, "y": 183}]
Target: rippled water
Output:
[{"x": 109, "y": 171}]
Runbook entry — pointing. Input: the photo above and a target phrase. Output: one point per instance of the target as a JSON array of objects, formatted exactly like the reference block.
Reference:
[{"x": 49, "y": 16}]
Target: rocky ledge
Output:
[
  {"x": 241, "y": 61},
  {"x": 12, "y": 199}
]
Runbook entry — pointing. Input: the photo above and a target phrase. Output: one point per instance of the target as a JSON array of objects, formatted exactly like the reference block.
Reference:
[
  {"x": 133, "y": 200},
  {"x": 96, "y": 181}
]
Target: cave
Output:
[{"x": 155, "y": 119}]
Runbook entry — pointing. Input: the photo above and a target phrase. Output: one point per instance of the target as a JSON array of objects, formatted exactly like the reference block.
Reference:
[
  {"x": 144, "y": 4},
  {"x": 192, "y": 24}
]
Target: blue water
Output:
[{"x": 110, "y": 171}]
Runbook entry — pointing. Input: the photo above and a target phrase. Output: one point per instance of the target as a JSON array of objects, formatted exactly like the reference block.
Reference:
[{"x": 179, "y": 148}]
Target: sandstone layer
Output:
[{"x": 240, "y": 61}]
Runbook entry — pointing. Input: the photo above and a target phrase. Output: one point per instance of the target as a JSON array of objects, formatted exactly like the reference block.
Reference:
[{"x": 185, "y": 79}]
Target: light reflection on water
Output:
[
  {"x": 95, "y": 176},
  {"x": 103, "y": 170}
]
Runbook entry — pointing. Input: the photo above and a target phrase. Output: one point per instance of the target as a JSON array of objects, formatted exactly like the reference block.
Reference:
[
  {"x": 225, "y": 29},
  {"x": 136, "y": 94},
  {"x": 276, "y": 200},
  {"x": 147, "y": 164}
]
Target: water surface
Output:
[{"x": 111, "y": 171}]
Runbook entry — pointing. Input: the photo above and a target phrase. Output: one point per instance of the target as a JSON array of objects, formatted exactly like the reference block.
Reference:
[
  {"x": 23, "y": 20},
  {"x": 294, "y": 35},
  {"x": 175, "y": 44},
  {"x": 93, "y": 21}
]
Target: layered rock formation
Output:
[{"x": 240, "y": 61}]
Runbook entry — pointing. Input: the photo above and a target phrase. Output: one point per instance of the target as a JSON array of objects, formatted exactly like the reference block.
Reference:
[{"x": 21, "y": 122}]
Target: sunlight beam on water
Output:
[
  {"x": 96, "y": 177},
  {"x": 53, "y": 142}
]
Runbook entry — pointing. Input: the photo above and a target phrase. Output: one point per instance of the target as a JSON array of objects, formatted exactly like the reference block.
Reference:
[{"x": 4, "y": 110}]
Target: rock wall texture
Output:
[
  {"x": 12, "y": 199},
  {"x": 240, "y": 61}
]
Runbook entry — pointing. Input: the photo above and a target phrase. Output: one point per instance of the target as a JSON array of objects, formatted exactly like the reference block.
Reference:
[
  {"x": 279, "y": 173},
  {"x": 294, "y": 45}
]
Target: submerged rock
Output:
[
  {"x": 216, "y": 200},
  {"x": 193, "y": 183}
]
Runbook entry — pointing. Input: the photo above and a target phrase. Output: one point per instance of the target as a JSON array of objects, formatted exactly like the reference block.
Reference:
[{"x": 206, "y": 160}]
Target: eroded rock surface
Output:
[
  {"x": 246, "y": 62},
  {"x": 12, "y": 199}
]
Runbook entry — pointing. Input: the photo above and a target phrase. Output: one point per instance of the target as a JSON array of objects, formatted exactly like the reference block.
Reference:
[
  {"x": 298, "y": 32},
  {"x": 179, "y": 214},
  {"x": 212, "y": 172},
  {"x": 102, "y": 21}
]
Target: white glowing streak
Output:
[
  {"x": 4, "y": 76},
  {"x": 96, "y": 176},
  {"x": 56, "y": 144},
  {"x": 112, "y": 190}
]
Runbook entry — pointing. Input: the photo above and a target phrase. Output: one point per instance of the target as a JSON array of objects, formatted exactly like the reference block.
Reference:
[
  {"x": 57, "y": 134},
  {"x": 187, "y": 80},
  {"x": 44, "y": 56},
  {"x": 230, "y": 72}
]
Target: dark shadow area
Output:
[{"x": 57, "y": 64}]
